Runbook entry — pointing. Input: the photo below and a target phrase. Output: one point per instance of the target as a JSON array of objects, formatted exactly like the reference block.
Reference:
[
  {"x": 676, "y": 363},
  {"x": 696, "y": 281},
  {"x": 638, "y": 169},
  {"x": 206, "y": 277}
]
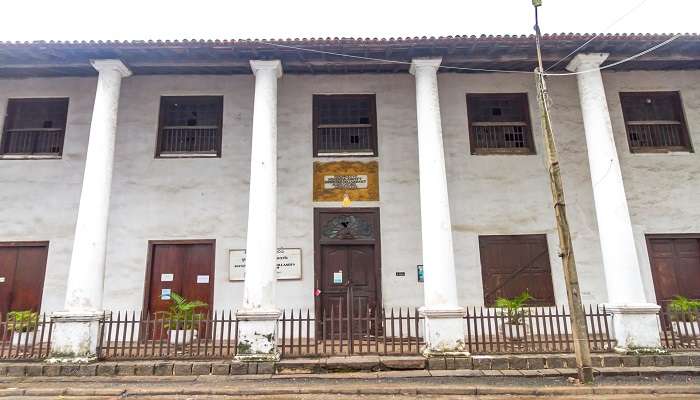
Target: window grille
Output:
[
  {"x": 655, "y": 121},
  {"x": 34, "y": 127},
  {"x": 190, "y": 126},
  {"x": 345, "y": 125},
  {"x": 499, "y": 124}
]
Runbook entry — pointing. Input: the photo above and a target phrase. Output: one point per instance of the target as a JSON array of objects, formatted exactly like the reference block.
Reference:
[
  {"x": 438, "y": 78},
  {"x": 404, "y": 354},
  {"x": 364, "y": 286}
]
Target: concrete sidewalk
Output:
[{"x": 673, "y": 383}]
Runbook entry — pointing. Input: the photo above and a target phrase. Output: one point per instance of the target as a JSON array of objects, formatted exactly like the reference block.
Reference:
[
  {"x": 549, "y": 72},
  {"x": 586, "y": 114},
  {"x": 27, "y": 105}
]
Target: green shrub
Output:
[
  {"x": 182, "y": 314},
  {"x": 684, "y": 309},
  {"x": 22, "y": 321},
  {"x": 512, "y": 309}
]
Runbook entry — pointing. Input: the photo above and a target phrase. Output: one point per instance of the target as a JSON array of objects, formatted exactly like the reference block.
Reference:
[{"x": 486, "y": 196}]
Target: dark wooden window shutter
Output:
[
  {"x": 34, "y": 127},
  {"x": 499, "y": 124},
  {"x": 513, "y": 264},
  {"x": 655, "y": 122},
  {"x": 344, "y": 125},
  {"x": 190, "y": 126}
]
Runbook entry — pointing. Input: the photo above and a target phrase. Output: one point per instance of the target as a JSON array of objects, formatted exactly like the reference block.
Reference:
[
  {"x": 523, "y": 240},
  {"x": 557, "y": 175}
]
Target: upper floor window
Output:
[
  {"x": 499, "y": 124},
  {"x": 190, "y": 126},
  {"x": 655, "y": 122},
  {"x": 345, "y": 125},
  {"x": 34, "y": 127}
]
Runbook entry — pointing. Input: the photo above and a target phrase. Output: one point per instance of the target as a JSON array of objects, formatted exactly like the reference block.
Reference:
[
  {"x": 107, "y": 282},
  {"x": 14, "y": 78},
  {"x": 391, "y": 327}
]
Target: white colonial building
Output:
[{"x": 132, "y": 170}]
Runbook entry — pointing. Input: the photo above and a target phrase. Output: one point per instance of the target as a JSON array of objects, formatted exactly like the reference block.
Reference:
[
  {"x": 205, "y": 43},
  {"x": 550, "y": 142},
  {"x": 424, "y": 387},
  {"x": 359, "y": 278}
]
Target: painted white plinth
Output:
[
  {"x": 635, "y": 326},
  {"x": 443, "y": 316},
  {"x": 257, "y": 329},
  {"x": 634, "y": 320},
  {"x": 75, "y": 336},
  {"x": 257, "y": 335},
  {"x": 444, "y": 332}
]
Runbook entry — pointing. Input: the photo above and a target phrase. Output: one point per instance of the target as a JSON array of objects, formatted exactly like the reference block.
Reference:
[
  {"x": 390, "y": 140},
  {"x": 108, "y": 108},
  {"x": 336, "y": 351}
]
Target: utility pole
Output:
[{"x": 566, "y": 251}]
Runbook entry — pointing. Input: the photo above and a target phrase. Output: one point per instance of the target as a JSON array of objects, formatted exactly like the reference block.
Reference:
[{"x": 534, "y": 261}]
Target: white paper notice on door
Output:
[
  {"x": 338, "y": 277},
  {"x": 202, "y": 278},
  {"x": 165, "y": 294},
  {"x": 166, "y": 277}
]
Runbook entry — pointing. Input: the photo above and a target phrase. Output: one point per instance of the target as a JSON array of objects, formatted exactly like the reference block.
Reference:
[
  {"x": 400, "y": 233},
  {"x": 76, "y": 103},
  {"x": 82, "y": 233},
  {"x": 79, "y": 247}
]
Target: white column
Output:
[
  {"x": 443, "y": 317},
  {"x": 258, "y": 326},
  {"x": 75, "y": 329},
  {"x": 634, "y": 319}
]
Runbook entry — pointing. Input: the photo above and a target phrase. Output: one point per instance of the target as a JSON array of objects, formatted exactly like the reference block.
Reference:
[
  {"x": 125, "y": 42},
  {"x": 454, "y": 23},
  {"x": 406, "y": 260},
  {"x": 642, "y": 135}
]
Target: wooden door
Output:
[
  {"x": 347, "y": 269},
  {"x": 22, "y": 271},
  {"x": 675, "y": 266},
  {"x": 512, "y": 264},
  {"x": 348, "y": 282},
  {"x": 186, "y": 268}
]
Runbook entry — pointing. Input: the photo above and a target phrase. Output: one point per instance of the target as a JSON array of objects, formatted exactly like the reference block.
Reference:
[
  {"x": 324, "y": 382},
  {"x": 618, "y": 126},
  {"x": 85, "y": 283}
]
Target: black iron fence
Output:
[
  {"x": 680, "y": 330},
  {"x": 534, "y": 330},
  {"x": 25, "y": 339}
]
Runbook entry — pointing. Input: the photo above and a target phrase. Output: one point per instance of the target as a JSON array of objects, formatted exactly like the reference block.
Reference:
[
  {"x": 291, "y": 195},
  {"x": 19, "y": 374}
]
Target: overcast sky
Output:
[{"x": 235, "y": 19}]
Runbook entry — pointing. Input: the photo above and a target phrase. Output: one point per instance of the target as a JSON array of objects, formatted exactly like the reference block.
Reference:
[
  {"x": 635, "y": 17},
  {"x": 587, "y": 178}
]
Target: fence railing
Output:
[
  {"x": 654, "y": 134},
  {"x": 680, "y": 330},
  {"x": 40, "y": 141},
  {"x": 494, "y": 136},
  {"x": 189, "y": 139},
  {"x": 365, "y": 331},
  {"x": 534, "y": 330},
  {"x": 25, "y": 340},
  {"x": 344, "y": 138}
]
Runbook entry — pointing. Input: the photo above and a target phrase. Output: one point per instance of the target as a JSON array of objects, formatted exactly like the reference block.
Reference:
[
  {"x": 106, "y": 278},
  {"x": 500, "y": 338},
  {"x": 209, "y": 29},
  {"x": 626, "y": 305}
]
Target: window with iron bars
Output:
[
  {"x": 345, "y": 125},
  {"x": 190, "y": 126},
  {"x": 655, "y": 122},
  {"x": 34, "y": 127},
  {"x": 499, "y": 124}
]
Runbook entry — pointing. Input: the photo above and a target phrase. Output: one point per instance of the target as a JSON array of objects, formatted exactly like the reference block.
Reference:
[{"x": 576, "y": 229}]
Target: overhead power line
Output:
[
  {"x": 605, "y": 30},
  {"x": 448, "y": 67}
]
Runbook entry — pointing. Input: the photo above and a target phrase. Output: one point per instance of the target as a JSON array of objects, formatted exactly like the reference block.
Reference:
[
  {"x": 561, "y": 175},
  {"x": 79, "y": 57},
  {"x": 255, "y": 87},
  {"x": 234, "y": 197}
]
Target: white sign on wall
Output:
[
  {"x": 288, "y": 264},
  {"x": 345, "y": 182}
]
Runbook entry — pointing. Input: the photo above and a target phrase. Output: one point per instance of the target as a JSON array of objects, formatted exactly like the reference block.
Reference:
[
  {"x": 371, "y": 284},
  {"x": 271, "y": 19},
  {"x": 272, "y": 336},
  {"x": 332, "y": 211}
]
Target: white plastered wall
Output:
[{"x": 162, "y": 199}]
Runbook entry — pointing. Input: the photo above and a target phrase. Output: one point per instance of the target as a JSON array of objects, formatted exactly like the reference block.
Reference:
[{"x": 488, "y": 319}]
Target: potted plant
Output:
[
  {"x": 684, "y": 316},
  {"x": 182, "y": 319},
  {"x": 513, "y": 313},
  {"x": 23, "y": 325}
]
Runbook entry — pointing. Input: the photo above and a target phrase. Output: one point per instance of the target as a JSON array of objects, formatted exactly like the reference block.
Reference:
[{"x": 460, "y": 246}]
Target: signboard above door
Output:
[
  {"x": 359, "y": 180},
  {"x": 288, "y": 264}
]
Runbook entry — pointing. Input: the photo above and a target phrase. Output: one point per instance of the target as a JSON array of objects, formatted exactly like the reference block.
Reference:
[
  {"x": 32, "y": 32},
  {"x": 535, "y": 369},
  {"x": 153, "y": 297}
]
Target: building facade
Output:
[{"x": 151, "y": 171}]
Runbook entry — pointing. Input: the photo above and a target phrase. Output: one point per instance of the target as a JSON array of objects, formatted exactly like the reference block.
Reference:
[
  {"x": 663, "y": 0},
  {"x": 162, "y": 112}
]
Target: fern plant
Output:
[
  {"x": 684, "y": 309},
  {"x": 22, "y": 321},
  {"x": 513, "y": 309},
  {"x": 182, "y": 314}
]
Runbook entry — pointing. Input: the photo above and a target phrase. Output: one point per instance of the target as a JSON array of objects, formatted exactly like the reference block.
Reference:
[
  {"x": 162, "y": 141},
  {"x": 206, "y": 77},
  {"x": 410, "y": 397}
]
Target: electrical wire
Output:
[
  {"x": 647, "y": 51},
  {"x": 605, "y": 30}
]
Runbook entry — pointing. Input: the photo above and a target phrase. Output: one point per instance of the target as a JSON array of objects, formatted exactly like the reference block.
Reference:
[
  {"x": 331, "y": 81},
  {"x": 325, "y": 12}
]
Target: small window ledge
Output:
[
  {"x": 30, "y": 157},
  {"x": 347, "y": 154},
  {"x": 188, "y": 155}
]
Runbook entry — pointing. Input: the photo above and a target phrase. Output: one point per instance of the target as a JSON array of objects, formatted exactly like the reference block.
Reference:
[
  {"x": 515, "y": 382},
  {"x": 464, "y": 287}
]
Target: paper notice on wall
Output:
[
  {"x": 165, "y": 294},
  {"x": 338, "y": 277},
  {"x": 202, "y": 278},
  {"x": 166, "y": 277}
]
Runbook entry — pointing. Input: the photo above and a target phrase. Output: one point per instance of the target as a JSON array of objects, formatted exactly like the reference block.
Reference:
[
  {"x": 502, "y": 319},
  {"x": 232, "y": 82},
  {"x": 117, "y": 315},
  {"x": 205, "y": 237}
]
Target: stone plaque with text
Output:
[{"x": 360, "y": 180}]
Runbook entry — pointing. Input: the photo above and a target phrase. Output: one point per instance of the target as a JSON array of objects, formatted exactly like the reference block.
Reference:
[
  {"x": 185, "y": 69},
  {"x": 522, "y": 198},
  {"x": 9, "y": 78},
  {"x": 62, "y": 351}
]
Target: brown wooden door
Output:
[
  {"x": 357, "y": 287},
  {"x": 513, "y": 264},
  {"x": 177, "y": 266},
  {"x": 675, "y": 267},
  {"x": 347, "y": 269},
  {"x": 22, "y": 271}
]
